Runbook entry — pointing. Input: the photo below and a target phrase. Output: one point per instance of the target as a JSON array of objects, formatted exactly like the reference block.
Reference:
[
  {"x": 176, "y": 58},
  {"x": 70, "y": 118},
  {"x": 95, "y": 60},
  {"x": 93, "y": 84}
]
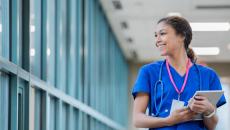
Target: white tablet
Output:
[{"x": 212, "y": 95}]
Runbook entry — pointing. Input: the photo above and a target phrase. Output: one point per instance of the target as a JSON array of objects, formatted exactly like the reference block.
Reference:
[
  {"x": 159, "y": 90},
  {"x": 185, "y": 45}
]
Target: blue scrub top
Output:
[{"x": 149, "y": 74}]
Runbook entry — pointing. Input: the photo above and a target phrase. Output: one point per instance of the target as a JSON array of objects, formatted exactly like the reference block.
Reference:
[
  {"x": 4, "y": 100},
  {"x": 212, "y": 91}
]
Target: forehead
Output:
[{"x": 162, "y": 26}]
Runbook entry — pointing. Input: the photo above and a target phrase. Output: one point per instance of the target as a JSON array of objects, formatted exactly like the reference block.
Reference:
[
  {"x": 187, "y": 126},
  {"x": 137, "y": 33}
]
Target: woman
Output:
[{"x": 180, "y": 77}]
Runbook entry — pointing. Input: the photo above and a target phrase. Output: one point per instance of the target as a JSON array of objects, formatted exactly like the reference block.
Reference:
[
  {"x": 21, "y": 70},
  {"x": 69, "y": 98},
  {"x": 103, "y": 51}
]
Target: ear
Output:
[{"x": 182, "y": 38}]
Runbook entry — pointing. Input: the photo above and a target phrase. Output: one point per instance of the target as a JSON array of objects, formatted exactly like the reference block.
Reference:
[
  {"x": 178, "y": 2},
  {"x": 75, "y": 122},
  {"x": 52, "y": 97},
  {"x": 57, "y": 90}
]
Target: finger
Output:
[
  {"x": 200, "y": 97},
  {"x": 197, "y": 102},
  {"x": 185, "y": 112},
  {"x": 189, "y": 116},
  {"x": 198, "y": 108},
  {"x": 181, "y": 109}
]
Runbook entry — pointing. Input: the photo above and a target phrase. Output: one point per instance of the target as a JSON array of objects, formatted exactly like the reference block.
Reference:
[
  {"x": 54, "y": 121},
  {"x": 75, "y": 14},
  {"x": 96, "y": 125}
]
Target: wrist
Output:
[
  {"x": 210, "y": 114},
  {"x": 209, "y": 111},
  {"x": 168, "y": 121}
]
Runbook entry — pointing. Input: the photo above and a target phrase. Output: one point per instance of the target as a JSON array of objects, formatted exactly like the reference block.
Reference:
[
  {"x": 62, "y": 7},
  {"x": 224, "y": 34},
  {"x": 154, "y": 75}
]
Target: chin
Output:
[{"x": 163, "y": 54}]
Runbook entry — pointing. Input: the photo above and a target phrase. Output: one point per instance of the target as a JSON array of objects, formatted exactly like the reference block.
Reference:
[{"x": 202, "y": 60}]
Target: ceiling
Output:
[{"x": 134, "y": 22}]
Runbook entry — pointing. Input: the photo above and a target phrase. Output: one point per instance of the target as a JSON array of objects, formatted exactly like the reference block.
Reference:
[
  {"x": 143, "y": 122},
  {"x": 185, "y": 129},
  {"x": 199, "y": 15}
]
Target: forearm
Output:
[
  {"x": 211, "y": 122},
  {"x": 144, "y": 121}
]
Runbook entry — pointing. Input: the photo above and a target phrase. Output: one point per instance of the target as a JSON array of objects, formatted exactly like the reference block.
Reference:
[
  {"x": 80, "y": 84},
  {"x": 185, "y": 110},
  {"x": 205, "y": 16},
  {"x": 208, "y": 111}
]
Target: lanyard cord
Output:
[{"x": 185, "y": 80}]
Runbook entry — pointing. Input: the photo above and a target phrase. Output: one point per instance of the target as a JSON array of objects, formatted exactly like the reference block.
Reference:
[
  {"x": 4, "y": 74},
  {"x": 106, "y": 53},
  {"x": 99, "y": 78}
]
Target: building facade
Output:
[{"x": 61, "y": 67}]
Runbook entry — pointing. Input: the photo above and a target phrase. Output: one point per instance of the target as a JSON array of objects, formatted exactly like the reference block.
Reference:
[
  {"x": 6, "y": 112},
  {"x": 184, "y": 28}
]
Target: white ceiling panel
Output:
[{"x": 141, "y": 17}]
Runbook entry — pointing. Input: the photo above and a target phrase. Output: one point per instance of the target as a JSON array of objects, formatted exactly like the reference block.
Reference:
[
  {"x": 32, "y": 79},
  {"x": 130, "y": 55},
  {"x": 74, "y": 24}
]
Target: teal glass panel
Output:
[
  {"x": 35, "y": 37},
  {"x": 4, "y": 101},
  {"x": 50, "y": 41}
]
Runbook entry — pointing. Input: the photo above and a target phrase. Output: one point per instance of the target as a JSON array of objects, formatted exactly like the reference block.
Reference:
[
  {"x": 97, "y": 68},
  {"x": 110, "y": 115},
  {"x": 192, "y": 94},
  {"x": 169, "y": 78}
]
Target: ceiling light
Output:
[
  {"x": 221, "y": 26},
  {"x": 174, "y": 14},
  {"x": 206, "y": 50}
]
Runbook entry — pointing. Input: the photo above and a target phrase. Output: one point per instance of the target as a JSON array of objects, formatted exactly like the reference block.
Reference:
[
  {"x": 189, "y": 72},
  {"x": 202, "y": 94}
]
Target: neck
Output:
[{"x": 178, "y": 60}]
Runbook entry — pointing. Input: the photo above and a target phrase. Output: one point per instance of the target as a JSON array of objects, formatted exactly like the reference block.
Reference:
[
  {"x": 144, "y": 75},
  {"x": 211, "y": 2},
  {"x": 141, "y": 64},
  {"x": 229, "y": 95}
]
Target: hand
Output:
[
  {"x": 201, "y": 104},
  {"x": 180, "y": 115}
]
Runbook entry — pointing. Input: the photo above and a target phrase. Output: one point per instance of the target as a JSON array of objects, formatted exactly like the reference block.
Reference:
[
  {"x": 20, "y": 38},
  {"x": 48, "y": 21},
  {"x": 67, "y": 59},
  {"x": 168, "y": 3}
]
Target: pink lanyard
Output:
[{"x": 185, "y": 80}]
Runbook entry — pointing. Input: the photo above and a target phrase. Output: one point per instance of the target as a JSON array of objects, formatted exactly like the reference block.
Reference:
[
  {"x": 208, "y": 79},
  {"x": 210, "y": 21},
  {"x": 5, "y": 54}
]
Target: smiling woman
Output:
[{"x": 163, "y": 84}]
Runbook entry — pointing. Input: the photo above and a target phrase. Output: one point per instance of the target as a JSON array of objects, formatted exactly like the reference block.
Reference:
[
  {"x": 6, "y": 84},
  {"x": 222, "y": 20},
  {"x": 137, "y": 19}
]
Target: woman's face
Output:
[{"x": 167, "y": 40}]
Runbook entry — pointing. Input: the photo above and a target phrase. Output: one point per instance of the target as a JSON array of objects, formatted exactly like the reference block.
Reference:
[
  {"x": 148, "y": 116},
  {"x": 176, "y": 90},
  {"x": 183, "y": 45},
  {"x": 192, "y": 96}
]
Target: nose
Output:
[{"x": 157, "y": 40}]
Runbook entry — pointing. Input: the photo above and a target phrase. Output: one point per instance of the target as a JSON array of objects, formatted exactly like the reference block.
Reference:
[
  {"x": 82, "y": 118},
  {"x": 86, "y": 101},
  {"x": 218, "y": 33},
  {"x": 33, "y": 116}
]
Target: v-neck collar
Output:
[{"x": 174, "y": 71}]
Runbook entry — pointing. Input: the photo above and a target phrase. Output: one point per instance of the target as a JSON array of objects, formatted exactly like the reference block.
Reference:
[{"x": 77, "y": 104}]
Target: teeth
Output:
[{"x": 161, "y": 45}]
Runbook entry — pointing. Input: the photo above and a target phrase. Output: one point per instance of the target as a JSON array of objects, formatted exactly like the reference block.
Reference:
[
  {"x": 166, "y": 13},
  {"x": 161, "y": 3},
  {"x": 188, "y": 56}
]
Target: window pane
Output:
[
  {"x": 50, "y": 34},
  {"x": 4, "y": 100},
  {"x": 35, "y": 37},
  {"x": 4, "y": 28},
  {"x": 0, "y": 27}
]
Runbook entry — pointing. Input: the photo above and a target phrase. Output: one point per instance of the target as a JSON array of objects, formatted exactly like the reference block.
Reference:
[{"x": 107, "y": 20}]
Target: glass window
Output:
[
  {"x": 0, "y": 27},
  {"x": 50, "y": 40},
  {"x": 35, "y": 37},
  {"x": 4, "y": 28},
  {"x": 4, "y": 101}
]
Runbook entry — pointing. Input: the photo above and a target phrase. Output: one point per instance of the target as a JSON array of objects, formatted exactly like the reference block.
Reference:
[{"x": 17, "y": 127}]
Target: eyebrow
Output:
[{"x": 160, "y": 30}]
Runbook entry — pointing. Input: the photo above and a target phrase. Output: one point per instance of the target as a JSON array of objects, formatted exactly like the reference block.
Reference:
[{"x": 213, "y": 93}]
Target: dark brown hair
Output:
[{"x": 183, "y": 28}]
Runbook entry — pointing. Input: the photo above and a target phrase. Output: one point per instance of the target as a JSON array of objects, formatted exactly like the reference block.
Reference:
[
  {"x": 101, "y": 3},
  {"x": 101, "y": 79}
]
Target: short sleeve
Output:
[
  {"x": 216, "y": 85},
  {"x": 142, "y": 83}
]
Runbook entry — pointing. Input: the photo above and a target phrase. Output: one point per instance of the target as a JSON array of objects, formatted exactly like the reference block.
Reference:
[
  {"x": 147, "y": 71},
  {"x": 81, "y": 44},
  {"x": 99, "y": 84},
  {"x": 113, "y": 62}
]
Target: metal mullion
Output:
[
  {"x": 14, "y": 52},
  {"x": 114, "y": 79},
  {"x": 107, "y": 72},
  {"x": 39, "y": 84},
  {"x": 71, "y": 69},
  {"x": 13, "y": 102},
  {"x": 46, "y": 111},
  {"x": 65, "y": 115},
  {"x": 59, "y": 64},
  {"x": 96, "y": 59},
  {"x": 92, "y": 65},
  {"x": 99, "y": 67},
  {"x": 4, "y": 100},
  {"x": 4, "y": 49},
  {"x": 111, "y": 77},
  {"x": 25, "y": 5},
  {"x": 117, "y": 83},
  {"x": 103, "y": 62},
  {"x": 58, "y": 60},
  {"x": 26, "y": 103},
  {"x": 80, "y": 35},
  {"x": 62, "y": 34},
  {"x": 38, "y": 110},
  {"x": 44, "y": 40},
  {"x": 71, "y": 118},
  {"x": 86, "y": 72}
]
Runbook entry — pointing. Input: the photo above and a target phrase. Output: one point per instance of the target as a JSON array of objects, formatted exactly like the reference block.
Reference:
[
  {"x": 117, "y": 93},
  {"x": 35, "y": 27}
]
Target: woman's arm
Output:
[
  {"x": 211, "y": 122},
  {"x": 141, "y": 120},
  {"x": 202, "y": 105}
]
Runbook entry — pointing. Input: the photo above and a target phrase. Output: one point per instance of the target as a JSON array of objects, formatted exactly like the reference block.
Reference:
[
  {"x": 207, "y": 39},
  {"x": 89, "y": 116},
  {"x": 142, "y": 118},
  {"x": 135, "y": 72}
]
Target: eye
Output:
[
  {"x": 162, "y": 33},
  {"x": 155, "y": 35}
]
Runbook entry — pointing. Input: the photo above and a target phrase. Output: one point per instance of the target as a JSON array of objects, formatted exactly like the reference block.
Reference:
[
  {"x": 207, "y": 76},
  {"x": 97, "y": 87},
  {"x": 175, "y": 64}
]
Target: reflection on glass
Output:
[
  {"x": 32, "y": 52},
  {"x": 0, "y": 27},
  {"x": 32, "y": 28},
  {"x": 48, "y": 52}
]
